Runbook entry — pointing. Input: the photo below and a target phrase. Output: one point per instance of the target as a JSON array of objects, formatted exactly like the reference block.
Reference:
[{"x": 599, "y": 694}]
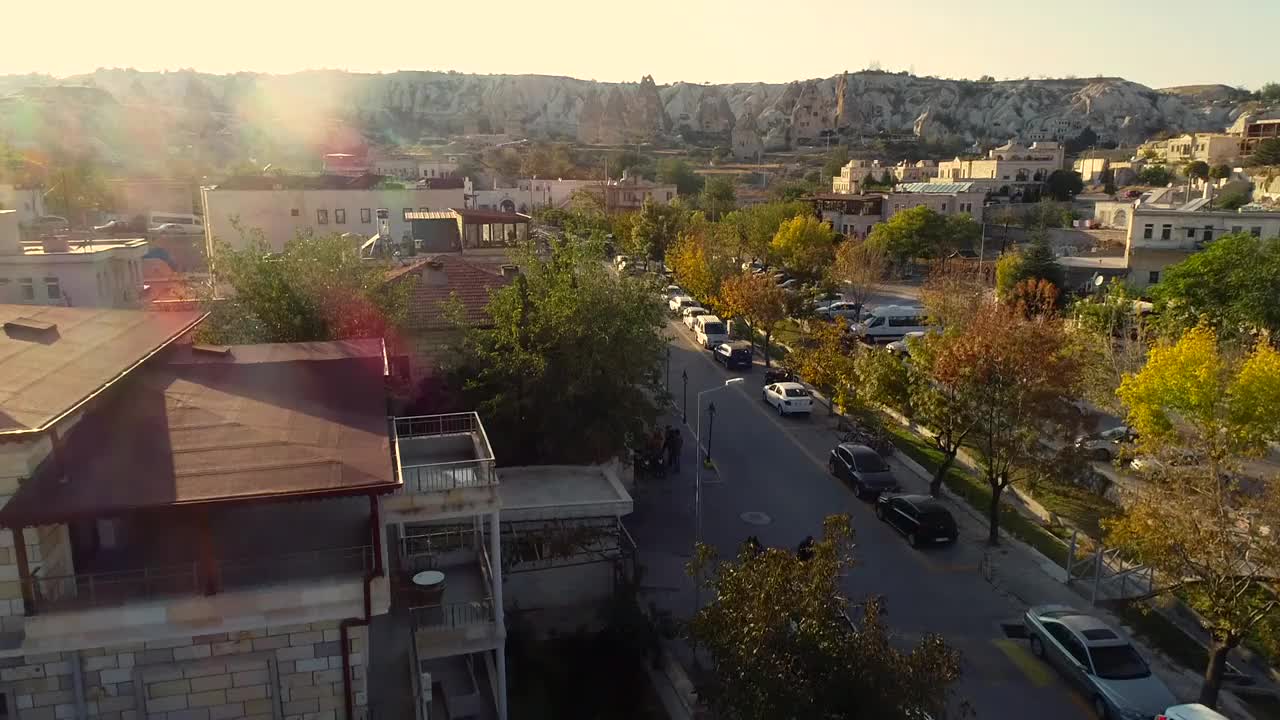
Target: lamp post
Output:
[
  {"x": 684, "y": 401},
  {"x": 667, "y": 384},
  {"x": 711, "y": 423},
  {"x": 697, "y": 480}
]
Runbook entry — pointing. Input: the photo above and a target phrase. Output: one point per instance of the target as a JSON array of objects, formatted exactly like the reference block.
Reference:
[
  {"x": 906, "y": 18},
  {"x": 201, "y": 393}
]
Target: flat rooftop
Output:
[
  {"x": 215, "y": 424},
  {"x": 53, "y": 358},
  {"x": 79, "y": 247},
  {"x": 543, "y": 492},
  {"x": 1094, "y": 263}
]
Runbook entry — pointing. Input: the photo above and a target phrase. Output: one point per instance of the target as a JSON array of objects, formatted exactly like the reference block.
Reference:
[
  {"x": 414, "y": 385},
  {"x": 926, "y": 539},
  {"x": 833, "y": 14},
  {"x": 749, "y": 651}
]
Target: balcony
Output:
[{"x": 445, "y": 466}]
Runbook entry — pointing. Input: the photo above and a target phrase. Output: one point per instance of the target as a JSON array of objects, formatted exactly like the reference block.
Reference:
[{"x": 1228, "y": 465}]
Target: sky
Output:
[{"x": 1157, "y": 44}]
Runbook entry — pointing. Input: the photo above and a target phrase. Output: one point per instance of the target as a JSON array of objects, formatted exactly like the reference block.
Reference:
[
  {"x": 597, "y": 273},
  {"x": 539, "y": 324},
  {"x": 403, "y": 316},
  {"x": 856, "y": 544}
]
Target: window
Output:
[
  {"x": 405, "y": 215},
  {"x": 944, "y": 207},
  {"x": 295, "y": 212},
  {"x": 1191, "y": 233},
  {"x": 52, "y": 288},
  {"x": 322, "y": 217},
  {"x": 1236, "y": 229},
  {"x": 1166, "y": 232},
  {"x": 1153, "y": 277},
  {"x": 28, "y": 288},
  {"x": 366, "y": 216},
  {"x": 1208, "y": 233},
  {"x": 340, "y": 216},
  {"x": 904, "y": 322},
  {"x": 1069, "y": 642},
  {"x": 669, "y": 194},
  {"x": 1256, "y": 231},
  {"x": 1147, "y": 230},
  {"x": 1118, "y": 662}
]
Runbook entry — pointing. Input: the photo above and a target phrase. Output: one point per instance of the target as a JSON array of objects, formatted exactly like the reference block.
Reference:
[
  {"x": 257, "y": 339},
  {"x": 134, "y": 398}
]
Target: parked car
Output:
[
  {"x": 1106, "y": 445},
  {"x": 890, "y": 322},
  {"x": 709, "y": 331},
  {"x": 735, "y": 354},
  {"x": 680, "y": 302},
  {"x": 691, "y": 313},
  {"x": 1192, "y": 711},
  {"x": 863, "y": 468},
  {"x": 788, "y": 398},
  {"x": 839, "y": 309},
  {"x": 170, "y": 229},
  {"x": 901, "y": 347},
  {"x": 922, "y": 519},
  {"x": 1098, "y": 661},
  {"x": 790, "y": 284},
  {"x": 46, "y": 224},
  {"x": 673, "y": 290}
]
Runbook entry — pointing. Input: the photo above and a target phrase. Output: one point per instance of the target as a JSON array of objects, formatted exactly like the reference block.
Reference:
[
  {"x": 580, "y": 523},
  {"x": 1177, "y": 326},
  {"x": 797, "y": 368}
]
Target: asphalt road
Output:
[{"x": 772, "y": 482}]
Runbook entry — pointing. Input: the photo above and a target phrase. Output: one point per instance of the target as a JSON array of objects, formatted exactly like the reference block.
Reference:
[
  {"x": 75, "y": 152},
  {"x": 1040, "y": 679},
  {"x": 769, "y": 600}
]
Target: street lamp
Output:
[
  {"x": 667, "y": 385},
  {"x": 684, "y": 400},
  {"x": 697, "y": 483}
]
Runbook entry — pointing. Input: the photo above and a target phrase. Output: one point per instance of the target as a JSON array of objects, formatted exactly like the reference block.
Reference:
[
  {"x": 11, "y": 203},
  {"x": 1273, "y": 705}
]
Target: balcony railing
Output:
[
  {"x": 452, "y": 616},
  {"x": 439, "y": 477},
  {"x": 110, "y": 589},
  {"x": 429, "y": 434},
  {"x": 436, "y": 425}
]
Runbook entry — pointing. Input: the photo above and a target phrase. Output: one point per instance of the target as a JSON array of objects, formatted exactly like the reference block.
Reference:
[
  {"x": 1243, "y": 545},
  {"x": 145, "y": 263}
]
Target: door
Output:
[
  {"x": 842, "y": 463},
  {"x": 904, "y": 516},
  {"x": 1067, "y": 652}
]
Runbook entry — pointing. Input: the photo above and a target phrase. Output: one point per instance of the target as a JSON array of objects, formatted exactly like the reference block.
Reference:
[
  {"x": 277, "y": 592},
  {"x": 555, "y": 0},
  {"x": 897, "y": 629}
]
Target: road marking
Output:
[{"x": 1031, "y": 666}]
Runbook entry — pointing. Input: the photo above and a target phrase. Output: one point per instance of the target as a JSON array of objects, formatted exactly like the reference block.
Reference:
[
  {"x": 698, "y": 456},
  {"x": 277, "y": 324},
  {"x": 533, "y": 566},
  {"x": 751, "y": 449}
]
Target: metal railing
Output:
[
  {"x": 85, "y": 591},
  {"x": 452, "y": 616},
  {"x": 439, "y": 477},
  {"x": 418, "y": 426}
]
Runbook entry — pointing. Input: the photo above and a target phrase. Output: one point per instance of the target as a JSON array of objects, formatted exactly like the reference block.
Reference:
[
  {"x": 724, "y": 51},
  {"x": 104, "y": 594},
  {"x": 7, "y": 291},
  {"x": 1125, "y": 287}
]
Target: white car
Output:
[
  {"x": 839, "y": 308},
  {"x": 691, "y": 313},
  {"x": 788, "y": 398},
  {"x": 672, "y": 291},
  {"x": 1192, "y": 711},
  {"x": 900, "y": 346},
  {"x": 680, "y": 302},
  {"x": 171, "y": 228}
]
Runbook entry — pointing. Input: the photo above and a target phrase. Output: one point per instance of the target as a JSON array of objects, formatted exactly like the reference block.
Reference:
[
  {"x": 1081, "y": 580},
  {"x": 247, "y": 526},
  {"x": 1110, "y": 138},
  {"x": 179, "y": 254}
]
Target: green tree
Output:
[
  {"x": 757, "y": 300},
  {"x": 543, "y": 398},
  {"x": 836, "y": 159},
  {"x": 1231, "y": 285},
  {"x": 1036, "y": 262},
  {"x": 1267, "y": 153},
  {"x": 677, "y": 172},
  {"x": 1197, "y": 526},
  {"x": 1013, "y": 376},
  {"x": 782, "y": 644},
  {"x": 317, "y": 289},
  {"x": 655, "y": 227},
  {"x": 1062, "y": 185},
  {"x": 793, "y": 190},
  {"x": 938, "y": 404},
  {"x": 1270, "y": 92},
  {"x": 718, "y": 197},
  {"x": 1220, "y": 172},
  {"x": 886, "y": 179},
  {"x": 884, "y": 378},
  {"x": 1197, "y": 170},
  {"x": 1233, "y": 197},
  {"x": 919, "y": 232},
  {"x": 804, "y": 245},
  {"x": 1155, "y": 175},
  {"x": 756, "y": 225},
  {"x": 858, "y": 269},
  {"x": 699, "y": 261},
  {"x": 869, "y": 181}
]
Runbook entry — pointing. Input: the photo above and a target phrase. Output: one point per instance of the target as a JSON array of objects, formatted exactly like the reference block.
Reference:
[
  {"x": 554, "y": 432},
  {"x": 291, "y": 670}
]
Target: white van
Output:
[
  {"x": 188, "y": 224},
  {"x": 891, "y": 322},
  {"x": 709, "y": 331}
]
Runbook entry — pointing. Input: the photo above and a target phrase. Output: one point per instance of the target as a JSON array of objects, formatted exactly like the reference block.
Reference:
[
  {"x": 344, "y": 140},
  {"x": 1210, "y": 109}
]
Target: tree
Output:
[
  {"x": 545, "y": 399},
  {"x": 677, "y": 172},
  {"x": 1232, "y": 198},
  {"x": 1013, "y": 376},
  {"x": 1198, "y": 526},
  {"x": 804, "y": 245},
  {"x": 782, "y": 644},
  {"x": 317, "y": 289},
  {"x": 869, "y": 181},
  {"x": 1220, "y": 172},
  {"x": 1085, "y": 140},
  {"x": 1037, "y": 262},
  {"x": 1155, "y": 175},
  {"x": 757, "y": 300},
  {"x": 794, "y": 190},
  {"x": 1231, "y": 286},
  {"x": 938, "y": 404},
  {"x": 828, "y": 360},
  {"x": 886, "y": 179},
  {"x": 656, "y": 226},
  {"x": 884, "y": 378},
  {"x": 1005, "y": 216},
  {"x": 1270, "y": 92},
  {"x": 835, "y": 160},
  {"x": 1108, "y": 324},
  {"x": 1197, "y": 170},
  {"x": 698, "y": 261},
  {"x": 910, "y": 234},
  {"x": 1109, "y": 181},
  {"x": 1063, "y": 185},
  {"x": 718, "y": 197},
  {"x": 858, "y": 269}
]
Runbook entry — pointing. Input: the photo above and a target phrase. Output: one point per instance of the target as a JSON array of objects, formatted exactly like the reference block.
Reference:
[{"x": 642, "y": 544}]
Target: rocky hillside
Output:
[{"x": 125, "y": 111}]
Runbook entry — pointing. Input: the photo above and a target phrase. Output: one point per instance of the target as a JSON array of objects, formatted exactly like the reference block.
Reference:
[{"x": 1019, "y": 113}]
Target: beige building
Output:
[
  {"x": 1090, "y": 169},
  {"x": 283, "y": 207},
  {"x": 51, "y": 271},
  {"x": 1212, "y": 148},
  {"x": 1159, "y": 235},
  {"x": 27, "y": 202},
  {"x": 854, "y": 172},
  {"x": 139, "y": 198},
  {"x": 854, "y": 215},
  {"x": 631, "y": 192},
  {"x": 1007, "y": 164}
]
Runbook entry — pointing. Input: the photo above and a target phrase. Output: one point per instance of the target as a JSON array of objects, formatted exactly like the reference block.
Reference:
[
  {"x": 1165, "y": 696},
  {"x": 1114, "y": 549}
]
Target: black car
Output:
[
  {"x": 735, "y": 354},
  {"x": 863, "y": 468},
  {"x": 921, "y": 518}
]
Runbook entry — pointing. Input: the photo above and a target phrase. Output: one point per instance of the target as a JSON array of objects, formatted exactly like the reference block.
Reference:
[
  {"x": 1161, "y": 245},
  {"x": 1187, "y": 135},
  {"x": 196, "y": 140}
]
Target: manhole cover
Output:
[{"x": 755, "y": 518}]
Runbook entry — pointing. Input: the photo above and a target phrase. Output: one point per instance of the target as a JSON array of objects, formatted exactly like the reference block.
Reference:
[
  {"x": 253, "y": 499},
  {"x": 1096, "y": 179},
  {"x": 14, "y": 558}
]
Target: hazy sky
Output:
[{"x": 1158, "y": 44}]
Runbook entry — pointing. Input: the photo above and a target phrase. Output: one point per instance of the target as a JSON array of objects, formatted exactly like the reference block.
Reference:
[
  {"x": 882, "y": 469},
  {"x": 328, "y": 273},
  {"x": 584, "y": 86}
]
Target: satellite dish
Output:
[{"x": 1098, "y": 280}]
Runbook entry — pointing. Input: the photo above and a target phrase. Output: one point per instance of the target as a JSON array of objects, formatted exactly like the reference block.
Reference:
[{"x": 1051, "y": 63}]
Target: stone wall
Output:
[{"x": 291, "y": 672}]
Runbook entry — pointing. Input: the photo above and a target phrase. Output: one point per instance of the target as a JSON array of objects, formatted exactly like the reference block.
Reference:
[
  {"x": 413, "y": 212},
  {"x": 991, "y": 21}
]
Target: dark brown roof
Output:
[
  {"x": 223, "y": 424},
  {"x": 45, "y": 374},
  {"x": 445, "y": 276}
]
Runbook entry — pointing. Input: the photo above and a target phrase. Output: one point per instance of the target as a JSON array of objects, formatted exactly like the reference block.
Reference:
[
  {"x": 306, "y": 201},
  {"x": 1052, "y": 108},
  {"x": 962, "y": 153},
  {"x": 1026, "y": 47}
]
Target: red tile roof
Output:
[
  {"x": 237, "y": 423},
  {"x": 445, "y": 276}
]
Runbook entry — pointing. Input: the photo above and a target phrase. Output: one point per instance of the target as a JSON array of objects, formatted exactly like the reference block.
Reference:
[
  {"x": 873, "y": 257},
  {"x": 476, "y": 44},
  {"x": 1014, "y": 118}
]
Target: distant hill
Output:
[{"x": 144, "y": 119}]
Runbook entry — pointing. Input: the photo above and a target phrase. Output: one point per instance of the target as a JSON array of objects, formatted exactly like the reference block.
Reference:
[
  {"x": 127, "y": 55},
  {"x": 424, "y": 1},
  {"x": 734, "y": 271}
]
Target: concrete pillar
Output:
[{"x": 495, "y": 570}]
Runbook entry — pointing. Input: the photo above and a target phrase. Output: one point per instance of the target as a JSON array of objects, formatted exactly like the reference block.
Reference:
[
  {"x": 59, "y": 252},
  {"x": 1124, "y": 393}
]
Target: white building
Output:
[
  {"x": 850, "y": 179},
  {"x": 854, "y": 215},
  {"x": 27, "y": 201},
  {"x": 1004, "y": 166},
  {"x": 104, "y": 273},
  {"x": 1160, "y": 235},
  {"x": 284, "y": 207}
]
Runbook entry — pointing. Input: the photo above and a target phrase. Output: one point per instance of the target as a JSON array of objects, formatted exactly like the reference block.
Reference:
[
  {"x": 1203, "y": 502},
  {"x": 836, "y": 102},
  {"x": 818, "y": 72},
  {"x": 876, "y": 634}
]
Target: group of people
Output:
[
  {"x": 804, "y": 550},
  {"x": 662, "y": 451}
]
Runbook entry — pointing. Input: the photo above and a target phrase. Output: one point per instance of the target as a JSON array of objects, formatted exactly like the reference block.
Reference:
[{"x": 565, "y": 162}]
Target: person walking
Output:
[{"x": 675, "y": 443}]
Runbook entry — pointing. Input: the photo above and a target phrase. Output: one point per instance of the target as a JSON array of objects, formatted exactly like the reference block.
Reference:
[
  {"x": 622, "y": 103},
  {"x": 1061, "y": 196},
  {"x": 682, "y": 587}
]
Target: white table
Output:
[{"x": 429, "y": 580}]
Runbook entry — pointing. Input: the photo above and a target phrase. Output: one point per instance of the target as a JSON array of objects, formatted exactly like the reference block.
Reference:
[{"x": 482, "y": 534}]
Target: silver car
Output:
[{"x": 1098, "y": 661}]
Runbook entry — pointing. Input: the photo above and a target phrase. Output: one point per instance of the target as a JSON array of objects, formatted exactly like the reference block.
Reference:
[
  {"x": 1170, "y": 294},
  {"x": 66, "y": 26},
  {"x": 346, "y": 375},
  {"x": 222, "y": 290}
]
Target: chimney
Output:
[
  {"x": 55, "y": 244},
  {"x": 510, "y": 272},
  {"x": 10, "y": 243},
  {"x": 1208, "y": 190}
]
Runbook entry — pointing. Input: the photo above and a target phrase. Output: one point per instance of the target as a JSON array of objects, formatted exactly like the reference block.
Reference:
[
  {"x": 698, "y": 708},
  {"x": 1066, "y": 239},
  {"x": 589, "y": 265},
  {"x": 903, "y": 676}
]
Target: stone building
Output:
[{"x": 746, "y": 143}]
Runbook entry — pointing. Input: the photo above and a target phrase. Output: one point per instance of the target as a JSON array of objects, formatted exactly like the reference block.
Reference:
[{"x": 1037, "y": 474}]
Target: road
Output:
[{"x": 772, "y": 482}]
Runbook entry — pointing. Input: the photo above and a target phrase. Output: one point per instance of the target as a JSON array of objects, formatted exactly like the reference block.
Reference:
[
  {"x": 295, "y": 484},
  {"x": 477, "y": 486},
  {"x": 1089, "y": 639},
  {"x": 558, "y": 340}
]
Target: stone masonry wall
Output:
[{"x": 206, "y": 677}]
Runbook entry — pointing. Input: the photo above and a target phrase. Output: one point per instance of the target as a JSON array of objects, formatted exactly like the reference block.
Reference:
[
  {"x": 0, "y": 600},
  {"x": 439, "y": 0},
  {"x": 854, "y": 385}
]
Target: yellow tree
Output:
[
  {"x": 699, "y": 260},
  {"x": 804, "y": 245},
  {"x": 858, "y": 269},
  {"x": 1210, "y": 534},
  {"x": 757, "y": 300},
  {"x": 828, "y": 361}
]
